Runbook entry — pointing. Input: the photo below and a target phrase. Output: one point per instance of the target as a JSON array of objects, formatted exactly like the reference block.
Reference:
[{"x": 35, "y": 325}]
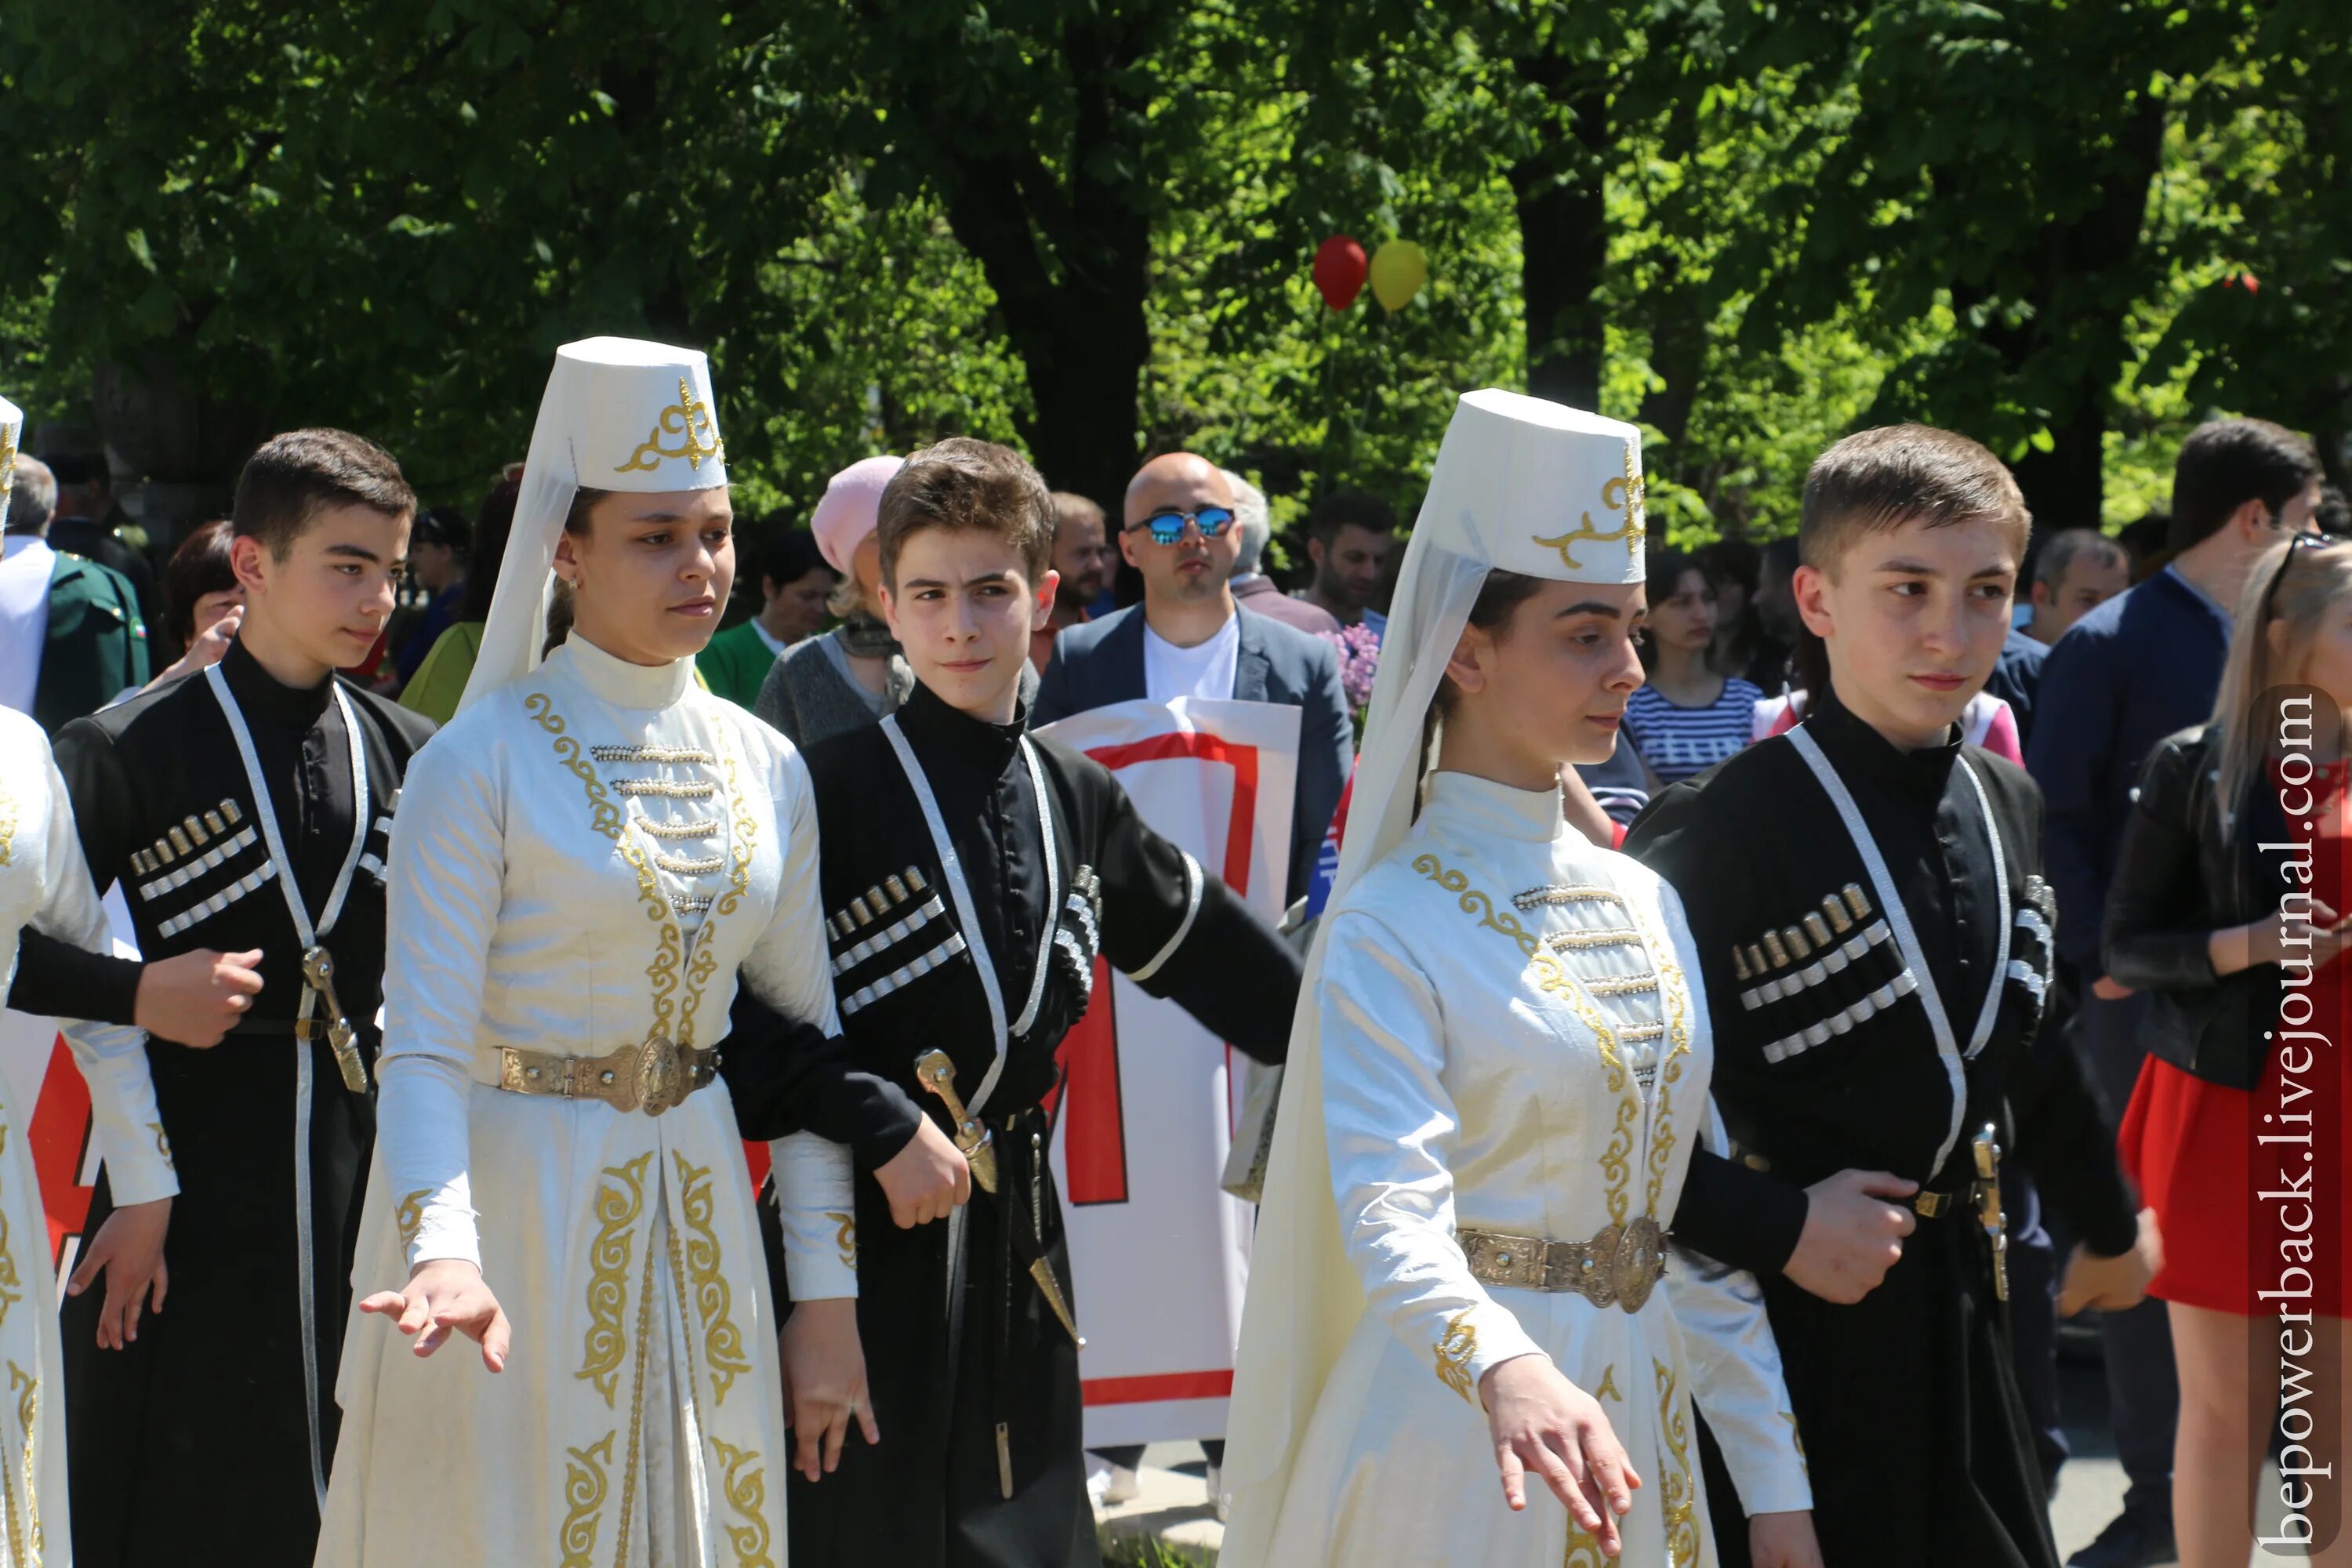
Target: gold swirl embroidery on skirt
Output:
[
  {"x": 583, "y": 1498},
  {"x": 1455, "y": 1349},
  {"x": 722, "y": 1345},
  {"x": 1583, "y": 1551},
  {"x": 1681, "y": 1493},
  {"x": 746, "y": 1486},
  {"x": 11, "y": 1288},
  {"x": 618, "y": 1204},
  {"x": 1608, "y": 1389},
  {"x": 410, "y": 1218},
  {"x": 29, "y": 1410}
]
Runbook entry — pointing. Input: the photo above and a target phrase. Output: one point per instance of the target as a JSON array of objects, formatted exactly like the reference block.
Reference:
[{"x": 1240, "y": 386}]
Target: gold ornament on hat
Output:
[
  {"x": 1625, "y": 495},
  {"x": 690, "y": 418}
]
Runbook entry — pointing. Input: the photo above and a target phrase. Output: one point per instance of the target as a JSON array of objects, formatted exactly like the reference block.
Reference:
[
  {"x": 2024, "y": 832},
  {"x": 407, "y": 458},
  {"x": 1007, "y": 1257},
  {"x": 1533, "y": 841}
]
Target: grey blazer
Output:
[{"x": 1101, "y": 662}]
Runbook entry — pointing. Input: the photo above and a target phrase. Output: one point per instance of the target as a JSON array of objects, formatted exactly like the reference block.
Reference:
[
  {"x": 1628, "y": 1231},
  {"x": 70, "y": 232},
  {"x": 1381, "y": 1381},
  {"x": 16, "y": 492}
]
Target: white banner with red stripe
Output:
[{"x": 1159, "y": 1251}]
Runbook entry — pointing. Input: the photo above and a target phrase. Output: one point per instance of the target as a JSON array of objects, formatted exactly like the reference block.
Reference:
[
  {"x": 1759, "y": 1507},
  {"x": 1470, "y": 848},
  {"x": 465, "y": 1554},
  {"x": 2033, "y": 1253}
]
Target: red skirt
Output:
[{"x": 2259, "y": 1229}]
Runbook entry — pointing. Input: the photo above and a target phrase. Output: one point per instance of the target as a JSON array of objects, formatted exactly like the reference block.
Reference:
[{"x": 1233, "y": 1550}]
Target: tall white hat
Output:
[
  {"x": 619, "y": 413},
  {"x": 12, "y": 431},
  {"x": 1521, "y": 484}
]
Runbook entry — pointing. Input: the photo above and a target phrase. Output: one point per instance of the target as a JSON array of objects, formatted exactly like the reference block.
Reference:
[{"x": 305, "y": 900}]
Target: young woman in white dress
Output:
[
  {"x": 1499, "y": 1071},
  {"x": 594, "y": 850}
]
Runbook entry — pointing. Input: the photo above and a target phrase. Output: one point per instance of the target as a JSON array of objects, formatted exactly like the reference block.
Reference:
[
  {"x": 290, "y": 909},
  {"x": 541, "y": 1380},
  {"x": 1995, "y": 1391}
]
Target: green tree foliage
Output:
[{"x": 2069, "y": 226}]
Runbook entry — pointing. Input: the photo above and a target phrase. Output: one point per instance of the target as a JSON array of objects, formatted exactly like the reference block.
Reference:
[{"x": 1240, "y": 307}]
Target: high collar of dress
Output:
[
  {"x": 949, "y": 736},
  {"x": 1861, "y": 753},
  {"x": 261, "y": 694},
  {"x": 618, "y": 682},
  {"x": 1482, "y": 806}
]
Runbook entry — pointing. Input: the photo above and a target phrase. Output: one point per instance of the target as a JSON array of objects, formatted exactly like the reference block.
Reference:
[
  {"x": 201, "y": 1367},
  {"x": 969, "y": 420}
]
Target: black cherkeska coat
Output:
[
  {"x": 1916, "y": 1438},
  {"x": 208, "y": 1440},
  {"x": 977, "y": 1396}
]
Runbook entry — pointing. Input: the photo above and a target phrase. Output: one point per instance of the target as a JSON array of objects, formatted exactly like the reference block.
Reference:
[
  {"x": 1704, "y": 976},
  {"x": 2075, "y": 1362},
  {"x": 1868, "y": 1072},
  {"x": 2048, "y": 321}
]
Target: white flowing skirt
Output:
[
  {"x": 32, "y": 1438},
  {"x": 1397, "y": 1467},
  {"x": 639, "y": 1420}
]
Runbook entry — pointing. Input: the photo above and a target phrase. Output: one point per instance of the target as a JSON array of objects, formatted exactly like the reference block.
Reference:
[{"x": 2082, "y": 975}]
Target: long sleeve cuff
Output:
[
  {"x": 55, "y": 979},
  {"x": 815, "y": 1199},
  {"x": 1744, "y": 1217},
  {"x": 1736, "y": 1379},
  {"x": 1482, "y": 1336},
  {"x": 424, "y": 1141},
  {"x": 123, "y": 1114}
]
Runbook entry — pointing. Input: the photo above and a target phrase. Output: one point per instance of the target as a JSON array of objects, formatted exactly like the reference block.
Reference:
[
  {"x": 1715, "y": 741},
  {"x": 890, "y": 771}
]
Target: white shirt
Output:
[
  {"x": 1206, "y": 669},
  {"x": 24, "y": 618}
]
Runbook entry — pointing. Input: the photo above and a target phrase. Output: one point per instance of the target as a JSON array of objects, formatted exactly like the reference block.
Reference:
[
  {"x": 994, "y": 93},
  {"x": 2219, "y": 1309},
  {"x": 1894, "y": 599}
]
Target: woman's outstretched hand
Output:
[
  {"x": 442, "y": 1294},
  {"x": 825, "y": 1383},
  {"x": 1542, "y": 1422}
]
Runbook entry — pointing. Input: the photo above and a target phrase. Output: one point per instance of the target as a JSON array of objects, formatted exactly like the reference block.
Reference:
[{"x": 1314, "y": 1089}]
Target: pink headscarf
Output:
[{"x": 850, "y": 507}]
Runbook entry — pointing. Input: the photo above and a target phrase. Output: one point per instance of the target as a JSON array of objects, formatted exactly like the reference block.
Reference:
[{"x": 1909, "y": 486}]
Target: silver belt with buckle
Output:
[
  {"x": 1617, "y": 1267},
  {"x": 651, "y": 1078}
]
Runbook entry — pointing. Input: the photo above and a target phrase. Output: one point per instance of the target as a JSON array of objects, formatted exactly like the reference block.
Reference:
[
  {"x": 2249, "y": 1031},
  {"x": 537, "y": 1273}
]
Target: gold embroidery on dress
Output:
[
  {"x": 162, "y": 1144},
  {"x": 1579, "y": 940},
  {"x": 410, "y": 1218},
  {"x": 11, "y": 1291},
  {"x": 1608, "y": 1389},
  {"x": 1535, "y": 897},
  {"x": 1626, "y": 495},
  {"x": 1583, "y": 1551},
  {"x": 688, "y": 419},
  {"x": 747, "y": 1493},
  {"x": 1682, "y": 1530},
  {"x": 618, "y": 1204},
  {"x": 28, "y": 1410},
  {"x": 8, "y": 824},
  {"x": 722, "y": 1345},
  {"x": 584, "y": 1496},
  {"x": 1555, "y": 980},
  {"x": 682, "y": 755},
  {"x": 1455, "y": 1349},
  {"x": 846, "y": 1236},
  {"x": 1675, "y": 994},
  {"x": 1621, "y": 985}
]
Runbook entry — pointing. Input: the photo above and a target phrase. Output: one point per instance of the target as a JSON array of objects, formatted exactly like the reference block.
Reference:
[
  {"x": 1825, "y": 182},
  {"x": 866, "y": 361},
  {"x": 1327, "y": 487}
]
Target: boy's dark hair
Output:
[
  {"x": 1335, "y": 511},
  {"x": 789, "y": 555},
  {"x": 963, "y": 485},
  {"x": 285, "y": 483},
  {"x": 199, "y": 566},
  {"x": 1877, "y": 480},
  {"x": 2224, "y": 465}
]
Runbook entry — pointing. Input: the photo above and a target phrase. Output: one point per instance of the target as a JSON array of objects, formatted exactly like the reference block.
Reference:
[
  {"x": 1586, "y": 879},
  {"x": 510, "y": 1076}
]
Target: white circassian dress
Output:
[
  {"x": 590, "y": 854},
  {"x": 1513, "y": 1040},
  {"x": 45, "y": 883}
]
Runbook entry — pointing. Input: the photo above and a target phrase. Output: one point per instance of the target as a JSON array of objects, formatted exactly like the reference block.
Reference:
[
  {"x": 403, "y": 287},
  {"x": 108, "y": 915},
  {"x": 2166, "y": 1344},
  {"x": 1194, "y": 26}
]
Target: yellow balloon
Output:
[{"x": 1399, "y": 270}]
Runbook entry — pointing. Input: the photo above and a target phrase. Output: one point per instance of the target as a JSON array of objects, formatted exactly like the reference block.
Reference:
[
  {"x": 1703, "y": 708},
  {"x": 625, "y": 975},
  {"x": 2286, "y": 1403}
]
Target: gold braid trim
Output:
[
  {"x": 844, "y": 1237},
  {"x": 583, "y": 1495},
  {"x": 1554, "y": 981},
  {"x": 8, "y": 824},
  {"x": 1682, "y": 1529},
  {"x": 1673, "y": 992},
  {"x": 722, "y": 1344},
  {"x": 618, "y": 1204},
  {"x": 609, "y": 820},
  {"x": 636, "y": 1410},
  {"x": 746, "y": 1487},
  {"x": 1583, "y": 1552},
  {"x": 1455, "y": 1349}
]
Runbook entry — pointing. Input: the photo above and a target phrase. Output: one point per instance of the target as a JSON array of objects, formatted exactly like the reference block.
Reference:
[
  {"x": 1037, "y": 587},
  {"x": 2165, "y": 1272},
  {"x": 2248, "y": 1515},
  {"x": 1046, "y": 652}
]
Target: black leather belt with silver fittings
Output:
[
  {"x": 1617, "y": 1267},
  {"x": 651, "y": 1078}
]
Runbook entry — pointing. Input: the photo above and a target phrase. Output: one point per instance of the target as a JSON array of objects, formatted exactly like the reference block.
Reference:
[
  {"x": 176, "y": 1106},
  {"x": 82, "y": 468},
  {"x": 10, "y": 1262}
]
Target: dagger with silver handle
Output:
[
  {"x": 318, "y": 973},
  {"x": 936, "y": 1074}
]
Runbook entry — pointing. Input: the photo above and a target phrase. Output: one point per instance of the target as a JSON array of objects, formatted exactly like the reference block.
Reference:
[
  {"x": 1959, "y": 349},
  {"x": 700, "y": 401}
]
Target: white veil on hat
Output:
[
  {"x": 1521, "y": 484},
  {"x": 12, "y": 430},
  {"x": 619, "y": 413}
]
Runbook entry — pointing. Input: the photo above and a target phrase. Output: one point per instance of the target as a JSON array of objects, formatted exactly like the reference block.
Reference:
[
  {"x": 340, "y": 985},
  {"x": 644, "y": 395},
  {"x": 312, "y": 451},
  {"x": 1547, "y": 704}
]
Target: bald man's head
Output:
[
  {"x": 1196, "y": 568},
  {"x": 1178, "y": 479}
]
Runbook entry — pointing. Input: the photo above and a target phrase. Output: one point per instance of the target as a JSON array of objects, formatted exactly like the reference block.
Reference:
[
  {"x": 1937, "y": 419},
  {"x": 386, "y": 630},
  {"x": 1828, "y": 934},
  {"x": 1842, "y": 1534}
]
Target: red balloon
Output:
[{"x": 1340, "y": 267}]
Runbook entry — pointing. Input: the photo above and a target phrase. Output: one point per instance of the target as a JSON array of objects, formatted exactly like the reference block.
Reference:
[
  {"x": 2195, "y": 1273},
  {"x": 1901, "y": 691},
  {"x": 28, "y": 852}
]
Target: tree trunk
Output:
[{"x": 1564, "y": 236}]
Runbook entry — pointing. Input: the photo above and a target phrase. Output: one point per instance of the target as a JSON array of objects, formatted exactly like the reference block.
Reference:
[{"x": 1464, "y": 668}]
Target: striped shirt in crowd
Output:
[{"x": 1680, "y": 741}]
